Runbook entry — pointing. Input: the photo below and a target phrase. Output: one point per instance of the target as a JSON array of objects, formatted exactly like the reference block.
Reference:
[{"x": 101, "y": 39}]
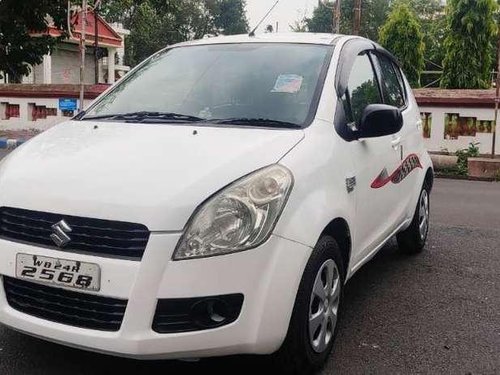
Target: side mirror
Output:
[{"x": 379, "y": 120}]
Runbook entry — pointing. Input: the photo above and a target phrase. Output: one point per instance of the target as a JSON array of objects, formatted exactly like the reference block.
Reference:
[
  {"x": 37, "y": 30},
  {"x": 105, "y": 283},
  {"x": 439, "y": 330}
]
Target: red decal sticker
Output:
[{"x": 409, "y": 164}]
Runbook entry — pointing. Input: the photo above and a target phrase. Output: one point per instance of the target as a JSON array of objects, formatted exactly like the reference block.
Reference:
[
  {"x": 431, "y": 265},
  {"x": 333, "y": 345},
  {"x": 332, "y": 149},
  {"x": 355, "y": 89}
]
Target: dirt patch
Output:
[{"x": 19, "y": 134}]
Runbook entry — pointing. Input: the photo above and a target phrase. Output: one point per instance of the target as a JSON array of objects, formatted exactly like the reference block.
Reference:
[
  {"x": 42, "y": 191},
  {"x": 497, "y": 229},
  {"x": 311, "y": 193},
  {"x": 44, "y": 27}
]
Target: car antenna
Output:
[{"x": 252, "y": 33}]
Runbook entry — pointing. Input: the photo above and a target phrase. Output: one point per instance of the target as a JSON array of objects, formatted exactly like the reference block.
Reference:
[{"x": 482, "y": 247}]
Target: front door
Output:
[{"x": 375, "y": 161}]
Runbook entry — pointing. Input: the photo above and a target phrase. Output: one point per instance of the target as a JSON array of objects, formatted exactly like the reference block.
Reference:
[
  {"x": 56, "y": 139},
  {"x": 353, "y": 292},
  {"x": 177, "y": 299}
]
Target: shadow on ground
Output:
[{"x": 433, "y": 313}]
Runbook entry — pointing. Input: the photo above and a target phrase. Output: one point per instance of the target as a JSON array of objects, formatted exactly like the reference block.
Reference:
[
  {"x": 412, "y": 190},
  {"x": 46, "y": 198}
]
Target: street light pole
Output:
[
  {"x": 96, "y": 44},
  {"x": 82, "y": 53},
  {"x": 497, "y": 100},
  {"x": 357, "y": 17},
  {"x": 336, "y": 17}
]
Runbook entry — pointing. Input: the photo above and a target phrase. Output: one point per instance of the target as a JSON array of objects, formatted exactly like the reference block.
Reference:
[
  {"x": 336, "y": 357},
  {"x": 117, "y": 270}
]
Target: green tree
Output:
[
  {"x": 373, "y": 15},
  {"x": 229, "y": 16},
  {"x": 299, "y": 26},
  {"x": 470, "y": 30},
  {"x": 321, "y": 20},
  {"x": 154, "y": 24},
  {"x": 120, "y": 10},
  {"x": 19, "y": 19},
  {"x": 402, "y": 35},
  {"x": 432, "y": 22},
  {"x": 495, "y": 39}
]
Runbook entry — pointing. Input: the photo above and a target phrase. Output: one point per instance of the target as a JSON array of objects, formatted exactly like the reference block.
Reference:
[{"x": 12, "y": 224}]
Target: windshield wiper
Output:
[
  {"x": 257, "y": 122},
  {"x": 146, "y": 116}
]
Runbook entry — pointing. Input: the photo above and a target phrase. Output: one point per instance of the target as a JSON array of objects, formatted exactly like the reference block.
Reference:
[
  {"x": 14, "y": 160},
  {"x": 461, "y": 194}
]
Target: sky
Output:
[{"x": 285, "y": 13}]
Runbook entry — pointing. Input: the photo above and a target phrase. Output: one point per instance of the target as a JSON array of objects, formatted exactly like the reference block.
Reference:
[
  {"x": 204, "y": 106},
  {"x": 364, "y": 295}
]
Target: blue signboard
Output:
[{"x": 67, "y": 104}]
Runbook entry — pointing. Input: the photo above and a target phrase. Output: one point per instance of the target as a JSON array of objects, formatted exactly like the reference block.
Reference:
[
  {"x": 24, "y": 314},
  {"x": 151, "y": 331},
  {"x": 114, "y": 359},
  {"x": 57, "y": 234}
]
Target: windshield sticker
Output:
[{"x": 288, "y": 83}]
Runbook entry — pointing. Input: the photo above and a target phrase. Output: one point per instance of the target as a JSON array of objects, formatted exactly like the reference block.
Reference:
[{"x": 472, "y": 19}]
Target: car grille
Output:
[
  {"x": 63, "y": 306},
  {"x": 94, "y": 236}
]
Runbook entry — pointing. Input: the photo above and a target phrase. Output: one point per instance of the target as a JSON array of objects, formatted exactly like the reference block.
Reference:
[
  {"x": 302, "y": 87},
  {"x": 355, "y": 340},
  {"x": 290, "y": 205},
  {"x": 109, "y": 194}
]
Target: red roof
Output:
[
  {"x": 106, "y": 35},
  {"x": 453, "y": 98},
  {"x": 425, "y": 97},
  {"x": 50, "y": 90}
]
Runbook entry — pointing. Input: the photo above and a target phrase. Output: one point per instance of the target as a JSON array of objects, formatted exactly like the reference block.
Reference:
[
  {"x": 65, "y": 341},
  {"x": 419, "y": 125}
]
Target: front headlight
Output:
[{"x": 239, "y": 217}]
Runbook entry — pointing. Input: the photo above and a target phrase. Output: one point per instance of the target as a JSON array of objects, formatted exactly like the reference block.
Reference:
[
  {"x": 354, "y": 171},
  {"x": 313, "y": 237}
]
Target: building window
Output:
[
  {"x": 9, "y": 111},
  {"x": 40, "y": 112},
  {"x": 485, "y": 126},
  {"x": 456, "y": 126},
  {"x": 426, "y": 124}
]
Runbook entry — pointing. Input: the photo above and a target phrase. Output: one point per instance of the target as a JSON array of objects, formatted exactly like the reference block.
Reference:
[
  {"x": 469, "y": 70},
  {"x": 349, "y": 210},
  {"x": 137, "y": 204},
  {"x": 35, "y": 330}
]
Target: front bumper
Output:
[{"x": 267, "y": 276}]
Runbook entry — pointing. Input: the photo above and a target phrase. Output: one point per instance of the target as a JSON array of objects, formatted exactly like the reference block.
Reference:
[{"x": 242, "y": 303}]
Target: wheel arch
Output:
[
  {"x": 429, "y": 178},
  {"x": 339, "y": 229}
]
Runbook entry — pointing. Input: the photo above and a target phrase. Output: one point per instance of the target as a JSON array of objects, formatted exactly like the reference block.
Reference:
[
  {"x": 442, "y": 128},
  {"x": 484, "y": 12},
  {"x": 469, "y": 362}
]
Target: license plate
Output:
[{"x": 63, "y": 272}]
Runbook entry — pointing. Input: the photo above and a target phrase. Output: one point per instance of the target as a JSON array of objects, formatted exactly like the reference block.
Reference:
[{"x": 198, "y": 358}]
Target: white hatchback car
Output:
[{"x": 215, "y": 201}]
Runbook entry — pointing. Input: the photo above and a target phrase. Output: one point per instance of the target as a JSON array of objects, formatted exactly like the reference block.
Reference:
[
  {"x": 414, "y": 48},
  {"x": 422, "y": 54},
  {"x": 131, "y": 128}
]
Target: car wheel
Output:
[
  {"x": 314, "y": 322},
  {"x": 413, "y": 239}
]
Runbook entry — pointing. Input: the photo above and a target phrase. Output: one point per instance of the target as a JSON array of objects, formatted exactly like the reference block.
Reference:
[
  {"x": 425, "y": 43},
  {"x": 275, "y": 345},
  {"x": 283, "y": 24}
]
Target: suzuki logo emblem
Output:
[{"x": 60, "y": 236}]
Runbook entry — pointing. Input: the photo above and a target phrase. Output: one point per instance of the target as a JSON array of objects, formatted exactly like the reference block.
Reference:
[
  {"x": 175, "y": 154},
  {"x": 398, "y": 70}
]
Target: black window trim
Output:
[
  {"x": 398, "y": 73},
  {"x": 377, "y": 71},
  {"x": 404, "y": 87},
  {"x": 347, "y": 93},
  {"x": 349, "y": 51}
]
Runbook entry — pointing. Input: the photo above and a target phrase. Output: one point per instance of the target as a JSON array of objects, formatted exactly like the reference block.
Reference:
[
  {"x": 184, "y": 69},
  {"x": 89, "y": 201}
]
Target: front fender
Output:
[{"x": 319, "y": 194}]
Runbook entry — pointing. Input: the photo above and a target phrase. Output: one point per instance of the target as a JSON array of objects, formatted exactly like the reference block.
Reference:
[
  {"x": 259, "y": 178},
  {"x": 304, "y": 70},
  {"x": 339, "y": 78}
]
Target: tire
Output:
[
  {"x": 301, "y": 352},
  {"x": 413, "y": 239}
]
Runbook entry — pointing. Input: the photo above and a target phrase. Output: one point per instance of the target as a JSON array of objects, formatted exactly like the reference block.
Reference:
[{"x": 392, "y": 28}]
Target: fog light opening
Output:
[
  {"x": 215, "y": 312},
  {"x": 210, "y": 313}
]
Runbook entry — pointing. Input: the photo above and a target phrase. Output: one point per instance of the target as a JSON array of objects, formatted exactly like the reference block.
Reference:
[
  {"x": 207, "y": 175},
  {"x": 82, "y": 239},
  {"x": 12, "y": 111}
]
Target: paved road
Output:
[{"x": 436, "y": 313}]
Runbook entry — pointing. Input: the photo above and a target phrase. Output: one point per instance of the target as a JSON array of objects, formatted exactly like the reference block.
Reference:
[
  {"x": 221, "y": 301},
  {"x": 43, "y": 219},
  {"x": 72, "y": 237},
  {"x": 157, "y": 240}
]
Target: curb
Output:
[
  {"x": 9, "y": 144},
  {"x": 465, "y": 178}
]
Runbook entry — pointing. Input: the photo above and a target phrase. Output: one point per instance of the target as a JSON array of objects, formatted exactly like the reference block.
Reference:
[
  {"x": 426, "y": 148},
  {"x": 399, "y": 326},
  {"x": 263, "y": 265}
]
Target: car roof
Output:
[{"x": 297, "y": 37}]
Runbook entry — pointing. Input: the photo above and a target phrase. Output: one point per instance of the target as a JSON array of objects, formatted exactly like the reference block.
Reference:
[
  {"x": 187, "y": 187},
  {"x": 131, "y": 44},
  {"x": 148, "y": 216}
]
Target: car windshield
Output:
[{"x": 240, "y": 84}]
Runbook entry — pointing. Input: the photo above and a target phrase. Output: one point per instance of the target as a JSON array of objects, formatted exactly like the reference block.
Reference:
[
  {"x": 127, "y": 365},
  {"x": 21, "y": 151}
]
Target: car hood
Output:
[{"x": 150, "y": 174}]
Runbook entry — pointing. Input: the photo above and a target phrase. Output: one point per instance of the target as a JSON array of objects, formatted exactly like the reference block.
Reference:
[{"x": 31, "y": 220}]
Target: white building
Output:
[
  {"x": 452, "y": 119},
  {"x": 49, "y": 94}
]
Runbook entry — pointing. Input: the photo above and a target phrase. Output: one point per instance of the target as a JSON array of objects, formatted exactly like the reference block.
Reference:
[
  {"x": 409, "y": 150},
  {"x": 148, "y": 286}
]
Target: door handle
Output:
[{"x": 396, "y": 142}]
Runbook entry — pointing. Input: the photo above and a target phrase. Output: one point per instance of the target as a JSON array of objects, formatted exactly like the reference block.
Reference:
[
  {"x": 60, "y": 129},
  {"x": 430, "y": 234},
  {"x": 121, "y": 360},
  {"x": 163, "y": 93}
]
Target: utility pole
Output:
[
  {"x": 497, "y": 99},
  {"x": 336, "y": 17},
  {"x": 357, "y": 17},
  {"x": 82, "y": 53},
  {"x": 96, "y": 44}
]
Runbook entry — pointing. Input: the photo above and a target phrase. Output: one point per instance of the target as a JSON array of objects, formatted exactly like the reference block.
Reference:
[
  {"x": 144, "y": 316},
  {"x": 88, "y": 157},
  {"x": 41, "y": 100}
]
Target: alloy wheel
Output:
[
  {"x": 423, "y": 214},
  {"x": 324, "y": 304}
]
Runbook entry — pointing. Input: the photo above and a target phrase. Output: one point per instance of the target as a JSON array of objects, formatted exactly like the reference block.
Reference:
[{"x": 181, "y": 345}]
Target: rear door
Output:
[{"x": 374, "y": 159}]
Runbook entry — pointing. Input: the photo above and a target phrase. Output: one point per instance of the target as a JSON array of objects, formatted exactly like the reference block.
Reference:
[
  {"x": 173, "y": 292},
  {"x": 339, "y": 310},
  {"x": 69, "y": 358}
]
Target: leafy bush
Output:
[{"x": 463, "y": 155}]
